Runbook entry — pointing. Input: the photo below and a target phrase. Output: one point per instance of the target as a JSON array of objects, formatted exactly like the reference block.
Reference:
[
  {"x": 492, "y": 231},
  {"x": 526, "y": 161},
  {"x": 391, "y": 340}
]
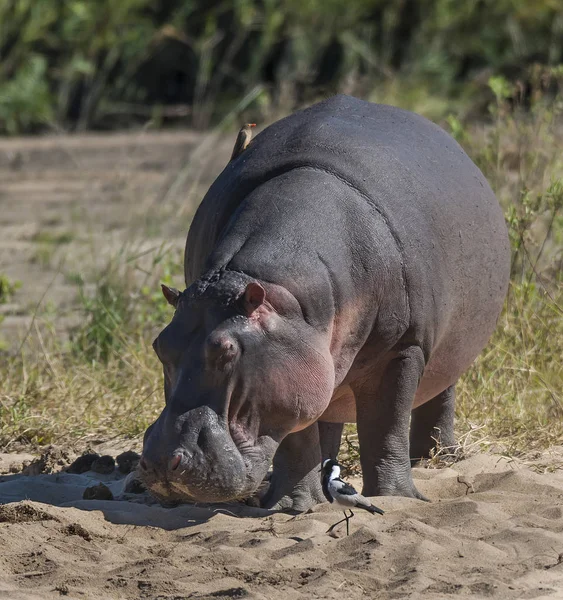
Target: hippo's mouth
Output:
[
  {"x": 209, "y": 463},
  {"x": 252, "y": 475}
]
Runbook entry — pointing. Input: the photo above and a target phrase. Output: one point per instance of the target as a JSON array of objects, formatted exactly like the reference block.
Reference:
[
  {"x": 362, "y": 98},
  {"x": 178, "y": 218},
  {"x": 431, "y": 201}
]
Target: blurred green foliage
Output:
[
  {"x": 7, "y": 288},
  {"x": 102, "y": 63}
]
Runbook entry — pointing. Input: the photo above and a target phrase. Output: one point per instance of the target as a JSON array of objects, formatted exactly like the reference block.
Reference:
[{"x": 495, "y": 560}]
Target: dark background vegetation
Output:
[{"x": 80, "y": 64}]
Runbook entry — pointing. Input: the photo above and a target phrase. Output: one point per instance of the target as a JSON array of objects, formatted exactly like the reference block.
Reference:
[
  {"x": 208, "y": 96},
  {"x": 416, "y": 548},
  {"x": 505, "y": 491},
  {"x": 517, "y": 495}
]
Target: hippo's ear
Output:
[
  {"x": 171, "y": 294},
  {"x": 254, "y": 296}
]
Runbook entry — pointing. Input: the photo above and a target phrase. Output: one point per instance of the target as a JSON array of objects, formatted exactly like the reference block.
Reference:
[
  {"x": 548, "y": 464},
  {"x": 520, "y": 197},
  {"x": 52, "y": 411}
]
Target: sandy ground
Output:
[
  {"x": 68, "y": 203},
  {"x": 494, "y": 529}
]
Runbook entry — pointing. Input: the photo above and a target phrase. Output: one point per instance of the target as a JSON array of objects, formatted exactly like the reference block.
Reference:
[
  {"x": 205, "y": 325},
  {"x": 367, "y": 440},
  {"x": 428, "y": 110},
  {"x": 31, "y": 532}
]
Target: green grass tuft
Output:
[{"x": 7, "y": 288}]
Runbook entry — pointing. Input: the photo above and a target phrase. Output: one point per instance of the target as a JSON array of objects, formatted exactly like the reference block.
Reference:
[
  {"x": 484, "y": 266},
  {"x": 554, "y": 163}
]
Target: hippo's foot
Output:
[
  {"x": 432, "y": 429},
  {"x": 295, "y": 484},
  {"x": 294, "y": 498},
  {"x": 391, "y": 479}
]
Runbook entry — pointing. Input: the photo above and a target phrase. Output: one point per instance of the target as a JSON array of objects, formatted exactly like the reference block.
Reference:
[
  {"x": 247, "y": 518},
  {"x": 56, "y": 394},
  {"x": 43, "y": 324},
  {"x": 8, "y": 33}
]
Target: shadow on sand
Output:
[{"x": 66, "y": 490}]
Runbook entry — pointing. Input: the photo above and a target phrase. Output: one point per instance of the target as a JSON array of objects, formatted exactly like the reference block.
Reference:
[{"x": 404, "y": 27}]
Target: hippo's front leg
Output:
[
  {"x": 295, "y": 484},
  {"x": 383, "y": 413}
]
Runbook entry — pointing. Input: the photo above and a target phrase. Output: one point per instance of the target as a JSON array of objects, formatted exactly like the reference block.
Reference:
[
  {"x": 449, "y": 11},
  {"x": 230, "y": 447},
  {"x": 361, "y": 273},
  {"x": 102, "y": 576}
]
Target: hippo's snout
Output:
[{"x": 194, "y": 458}]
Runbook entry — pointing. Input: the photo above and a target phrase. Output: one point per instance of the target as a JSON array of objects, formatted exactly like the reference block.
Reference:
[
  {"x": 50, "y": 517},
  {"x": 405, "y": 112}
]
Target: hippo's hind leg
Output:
[
  {"x": 432, "y": 425},
  {"x": 383, "y": 415},
  {"x": 295, "y": 484}
]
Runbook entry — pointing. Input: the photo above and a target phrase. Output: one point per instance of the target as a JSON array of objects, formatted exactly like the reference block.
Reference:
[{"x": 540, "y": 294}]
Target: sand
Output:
[{"x": 494, "y": 529}]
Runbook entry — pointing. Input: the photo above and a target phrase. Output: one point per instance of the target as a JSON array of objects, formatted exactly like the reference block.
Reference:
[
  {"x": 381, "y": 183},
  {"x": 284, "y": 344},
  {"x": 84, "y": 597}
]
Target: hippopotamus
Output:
[{"x": 346, "y": 267}]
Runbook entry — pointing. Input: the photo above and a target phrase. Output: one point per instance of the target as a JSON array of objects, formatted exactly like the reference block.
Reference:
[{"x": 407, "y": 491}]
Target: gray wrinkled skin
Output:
[{"x": 348, "y": 266}]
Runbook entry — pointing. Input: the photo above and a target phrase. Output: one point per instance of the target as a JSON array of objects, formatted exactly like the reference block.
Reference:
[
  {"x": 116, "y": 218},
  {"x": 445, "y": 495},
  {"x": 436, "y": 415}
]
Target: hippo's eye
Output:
[
  {"x": 172, "y": 342},
  {"x": 167, "y": 352},
  {"x": 155, "y": 347}
]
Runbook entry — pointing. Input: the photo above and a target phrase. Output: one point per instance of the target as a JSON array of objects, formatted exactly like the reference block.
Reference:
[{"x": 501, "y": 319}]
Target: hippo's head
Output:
[{"x": 242, "y": 369}]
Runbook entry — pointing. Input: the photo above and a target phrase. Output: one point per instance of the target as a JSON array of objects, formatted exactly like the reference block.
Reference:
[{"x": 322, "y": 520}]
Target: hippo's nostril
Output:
[
  {"x": 175, "y": 462},
  {"x": 143, "y": 464},
  {"x": 202, "y": 439}
]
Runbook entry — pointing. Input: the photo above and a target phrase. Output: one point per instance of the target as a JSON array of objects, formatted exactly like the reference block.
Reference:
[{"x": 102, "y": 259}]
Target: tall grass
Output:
[
  {"x": 105, "y": 381},
  {"x": 515, "y": 387}
]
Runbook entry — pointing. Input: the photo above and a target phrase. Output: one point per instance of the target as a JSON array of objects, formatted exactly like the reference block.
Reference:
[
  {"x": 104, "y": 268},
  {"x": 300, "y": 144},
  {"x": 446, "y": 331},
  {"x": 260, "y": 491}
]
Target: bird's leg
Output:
[
  {"x": 337, "y": 523},
  {"x": 347, "y": 521},
  {"x": 346, "y": 518}
]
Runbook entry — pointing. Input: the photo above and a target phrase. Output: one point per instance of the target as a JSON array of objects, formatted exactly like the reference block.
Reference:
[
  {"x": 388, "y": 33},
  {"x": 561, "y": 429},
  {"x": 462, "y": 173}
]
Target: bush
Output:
[{"x": 85, "y": 63}]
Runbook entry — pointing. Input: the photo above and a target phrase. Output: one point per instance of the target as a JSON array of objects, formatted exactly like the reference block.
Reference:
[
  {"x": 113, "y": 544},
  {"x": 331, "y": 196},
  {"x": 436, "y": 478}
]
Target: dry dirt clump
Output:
[
  {"x": 23, "y": 512},
  {"x": 98, "y": 492},
  {"x": 127, "y": 461},
  {"x": 77, "y": 529},
  {"x": 52, "y": 460},
  {"x": 104, "y": 465},
  {"x": 83, "y": 463},
  {"x": 14, "y": 463}
]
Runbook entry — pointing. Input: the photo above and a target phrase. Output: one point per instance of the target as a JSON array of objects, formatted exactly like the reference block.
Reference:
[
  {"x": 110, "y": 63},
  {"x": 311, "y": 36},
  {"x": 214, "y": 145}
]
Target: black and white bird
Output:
[{"x": 342, "y": 493}]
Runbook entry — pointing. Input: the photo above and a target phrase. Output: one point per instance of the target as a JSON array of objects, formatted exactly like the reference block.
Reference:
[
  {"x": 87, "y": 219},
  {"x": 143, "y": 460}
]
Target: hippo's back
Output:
[{"x": 439, "y": 208}]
